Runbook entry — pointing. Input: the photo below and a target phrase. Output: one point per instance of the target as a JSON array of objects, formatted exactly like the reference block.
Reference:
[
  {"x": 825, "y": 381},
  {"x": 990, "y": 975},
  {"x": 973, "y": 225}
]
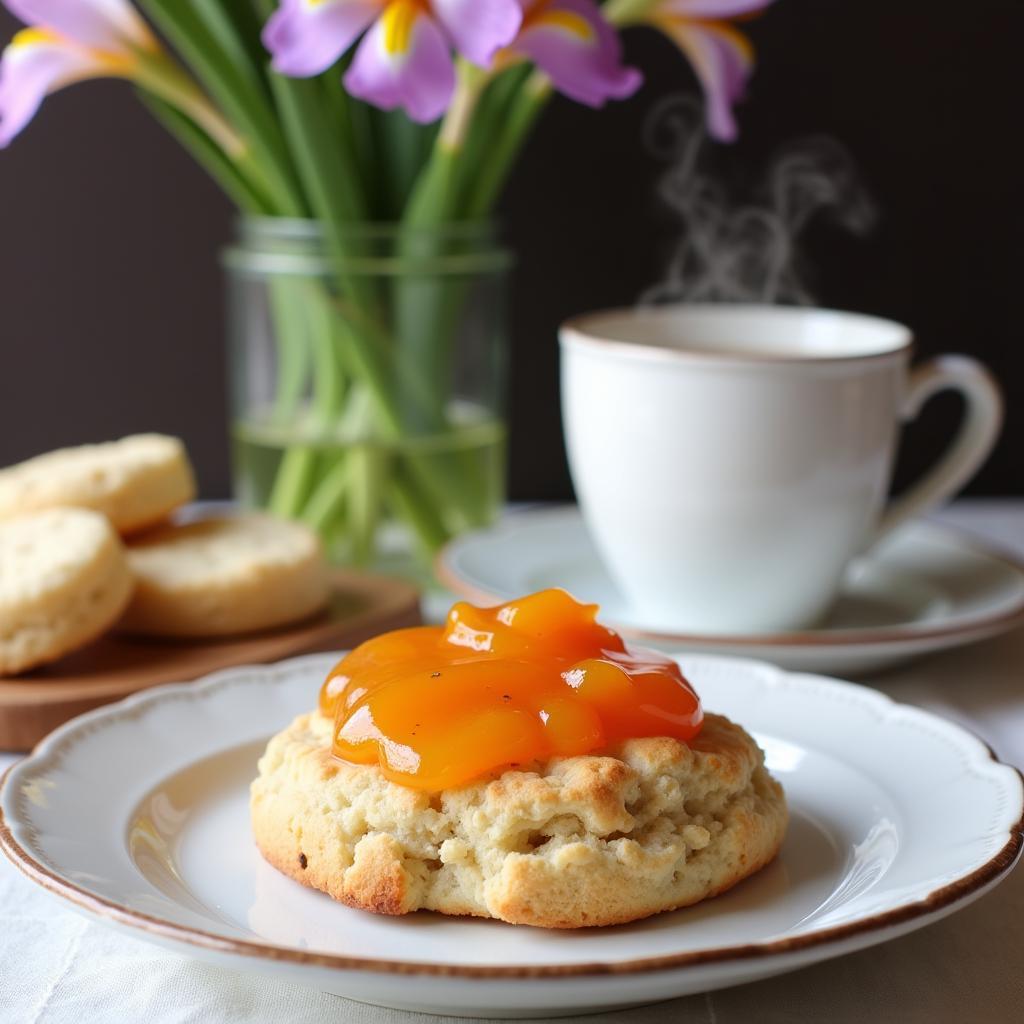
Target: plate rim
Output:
[
  {"x": 961, "y": 889},
  {"x": 848, "y": 638}
]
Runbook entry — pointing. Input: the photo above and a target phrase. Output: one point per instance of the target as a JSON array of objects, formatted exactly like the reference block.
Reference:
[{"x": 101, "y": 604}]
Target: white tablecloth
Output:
[{"x": 59, "y": 968}]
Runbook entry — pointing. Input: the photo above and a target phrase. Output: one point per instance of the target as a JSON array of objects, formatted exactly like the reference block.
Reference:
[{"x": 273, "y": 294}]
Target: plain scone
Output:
[
  {"x": 222, "y": 576},
  {"x": 64, "y": 580},
  {"x": 580, "y": 841},
  {"x": 135, "y": 482}
]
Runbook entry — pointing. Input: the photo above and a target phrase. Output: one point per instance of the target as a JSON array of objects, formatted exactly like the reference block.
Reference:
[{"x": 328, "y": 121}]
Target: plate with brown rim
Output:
[
  {"x": 164, "y": 852},
  {"x": 927, "y": 589}
]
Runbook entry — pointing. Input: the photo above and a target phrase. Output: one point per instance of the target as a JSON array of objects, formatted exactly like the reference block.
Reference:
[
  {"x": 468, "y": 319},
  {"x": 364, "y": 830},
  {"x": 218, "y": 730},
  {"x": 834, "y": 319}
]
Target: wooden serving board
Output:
[{"x": 33, "y": 704}]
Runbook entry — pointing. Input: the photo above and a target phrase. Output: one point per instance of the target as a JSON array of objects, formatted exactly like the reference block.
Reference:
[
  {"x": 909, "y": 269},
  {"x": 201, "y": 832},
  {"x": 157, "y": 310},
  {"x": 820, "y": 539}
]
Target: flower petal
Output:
[
  {"x": 404, "y": 61},
  {"x": 306, "y": 37},
  {"x": 479, "y": 28},
  {"x": 35, "y": 64},
  {"x": 99, "y": 24},
  {"x": 710, "y": 10},
  {"x": 722, "y": 59},
  {"x": 571, "y": 41}
]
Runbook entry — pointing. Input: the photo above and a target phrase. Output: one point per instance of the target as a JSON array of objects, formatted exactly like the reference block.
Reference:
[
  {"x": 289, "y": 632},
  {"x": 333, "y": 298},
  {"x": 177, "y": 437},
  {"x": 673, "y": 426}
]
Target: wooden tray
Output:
[{"x": 33, "y": 704}]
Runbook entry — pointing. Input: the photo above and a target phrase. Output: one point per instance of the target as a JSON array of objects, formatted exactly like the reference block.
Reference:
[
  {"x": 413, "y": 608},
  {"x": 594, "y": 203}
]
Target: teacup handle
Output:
[{"x": 982, "y": 420}]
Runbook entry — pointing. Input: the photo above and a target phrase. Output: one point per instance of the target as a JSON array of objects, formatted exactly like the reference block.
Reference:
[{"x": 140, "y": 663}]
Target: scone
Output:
[
  {"x": 224, "y": 575},
  {"x": 653, "y": 825},
  {"x": 135, "y": 482},
  {"x": 519, "y": 763},
  {"x": 64, "y": 580}
]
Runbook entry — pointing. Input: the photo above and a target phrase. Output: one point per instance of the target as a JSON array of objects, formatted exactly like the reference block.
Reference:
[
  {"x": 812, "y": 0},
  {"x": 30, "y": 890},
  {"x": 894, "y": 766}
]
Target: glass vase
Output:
[{"x": 367, "y": 372}]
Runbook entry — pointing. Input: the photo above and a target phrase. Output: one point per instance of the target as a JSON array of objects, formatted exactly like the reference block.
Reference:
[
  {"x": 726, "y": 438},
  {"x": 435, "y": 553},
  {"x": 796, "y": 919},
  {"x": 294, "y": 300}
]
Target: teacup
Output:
[{"x": 731, "y": 460}]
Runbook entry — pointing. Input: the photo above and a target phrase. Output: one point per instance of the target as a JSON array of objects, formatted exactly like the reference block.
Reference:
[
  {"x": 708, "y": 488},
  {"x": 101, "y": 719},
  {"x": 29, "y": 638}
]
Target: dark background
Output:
[{"x": 110, "y": 292}]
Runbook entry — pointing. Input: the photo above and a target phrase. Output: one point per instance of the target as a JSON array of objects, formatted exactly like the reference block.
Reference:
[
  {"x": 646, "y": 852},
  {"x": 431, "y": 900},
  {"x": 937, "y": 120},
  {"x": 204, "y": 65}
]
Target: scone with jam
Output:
[{"x": 520, "y": 763}]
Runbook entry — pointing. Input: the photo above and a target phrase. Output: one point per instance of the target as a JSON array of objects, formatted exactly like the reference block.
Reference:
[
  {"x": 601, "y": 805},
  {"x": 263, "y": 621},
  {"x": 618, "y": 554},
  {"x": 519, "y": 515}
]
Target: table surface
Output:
[{"x": 56, "y": 966}]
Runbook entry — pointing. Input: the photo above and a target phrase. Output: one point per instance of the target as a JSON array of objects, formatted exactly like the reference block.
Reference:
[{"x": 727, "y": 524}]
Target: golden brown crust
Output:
[
  {"x": 64, "y": 580},
  {"x": 576, "y": 842},
  {"x": 225, "y": 575},
  {"x": 135, "y": 482}
]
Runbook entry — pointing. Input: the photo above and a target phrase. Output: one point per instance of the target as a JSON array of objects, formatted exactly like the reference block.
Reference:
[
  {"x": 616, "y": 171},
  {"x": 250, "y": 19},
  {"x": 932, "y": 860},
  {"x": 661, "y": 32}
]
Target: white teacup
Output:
[{"x": 730, "y": 460}]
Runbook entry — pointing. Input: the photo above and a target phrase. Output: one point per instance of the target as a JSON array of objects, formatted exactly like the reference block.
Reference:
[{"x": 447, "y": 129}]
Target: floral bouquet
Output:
[{"x": 366, "y": 143}]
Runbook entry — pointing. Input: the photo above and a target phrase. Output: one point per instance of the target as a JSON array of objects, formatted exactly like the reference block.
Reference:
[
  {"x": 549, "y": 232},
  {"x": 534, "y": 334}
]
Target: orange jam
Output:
[{"x": 437, "y": 707}]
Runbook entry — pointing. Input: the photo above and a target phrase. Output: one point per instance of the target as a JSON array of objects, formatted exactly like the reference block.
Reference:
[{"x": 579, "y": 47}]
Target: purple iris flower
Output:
[
  {"x": 68, "y": 41},
  {"x": 573, "y": 44},
  {"x": 721, "y": 56},
  {"x": 404, "y": 58}
]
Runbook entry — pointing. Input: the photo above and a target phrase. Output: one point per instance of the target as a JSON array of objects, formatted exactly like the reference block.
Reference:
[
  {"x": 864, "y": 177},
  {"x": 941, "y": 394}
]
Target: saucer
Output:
[{"x": 927, "y": 589}]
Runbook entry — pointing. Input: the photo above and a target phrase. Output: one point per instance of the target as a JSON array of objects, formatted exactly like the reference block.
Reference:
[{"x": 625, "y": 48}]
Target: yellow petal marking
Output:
[
  {"x": 116, "y": 64},
  {"x": 548, "y": 13},
  {"x": 29, "y": 37},
  {"x": 569, "y": 21},
  {"x": 669, "y": 23},
  {"x": 398, "y": 21}
]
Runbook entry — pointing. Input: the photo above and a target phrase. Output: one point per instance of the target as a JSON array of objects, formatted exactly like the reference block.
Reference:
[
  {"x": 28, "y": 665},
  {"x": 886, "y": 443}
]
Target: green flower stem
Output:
[
  {"x": 426, "y": 312},
  {"x": 427, "y": 309},
  {"x": 626, "y": 12},
  {"x": 327, "y": 163},
  {"x": 433, "y": 200},
  {"x": 367, "y": 464},
  {"x": 293, "y": 482},
  {"x": 243, "y": 192},
  {"x": 390, "y": 377},
  {"x": 328, "y": 380},
  {"x": 164, "y": 78},
  {"x": 322, "y": 153},
  {"x": 493, "y": 171},
  {"x": 426, "y": 305},
  {"x": 305, "y": 324},
  {"x": 237, "y": 92},
  {"x": 428, "y": 527},
  {"x": 327, "y": 166},
  {"x": 236, "y": 26},
  {"x": 401, "y": 148},
  {"x": 325, "y": 169},
  {"x": 491, "y": 114},
  {"x": 471, "y": 84},
  {"x": 359, "y": 482},
  {"x": 294, "y": 349},
  {"x": 374, "y": 414},
  {"x": 307, "y": 347},
  {"x": 353, "y": 484},
  {"x": 161, "y": 77},
  {"x": 326, "y": 504}
]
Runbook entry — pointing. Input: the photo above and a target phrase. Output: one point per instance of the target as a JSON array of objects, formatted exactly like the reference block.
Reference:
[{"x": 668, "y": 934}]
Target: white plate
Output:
[
  {"x": 137, "y": 814},
  {"x": 928, "y": 589}
]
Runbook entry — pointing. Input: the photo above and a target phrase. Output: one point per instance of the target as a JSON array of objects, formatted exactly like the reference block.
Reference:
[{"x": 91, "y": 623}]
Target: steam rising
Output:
[{"x": 747, "y": 252}]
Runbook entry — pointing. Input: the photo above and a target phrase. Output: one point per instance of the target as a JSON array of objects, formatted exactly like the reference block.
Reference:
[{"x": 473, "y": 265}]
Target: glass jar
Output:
[{"x": 367, "y": 370}]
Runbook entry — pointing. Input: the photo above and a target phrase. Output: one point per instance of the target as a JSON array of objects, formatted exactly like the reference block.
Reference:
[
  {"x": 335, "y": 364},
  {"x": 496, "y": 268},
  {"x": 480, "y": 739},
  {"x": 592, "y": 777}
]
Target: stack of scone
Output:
[{"x": 86, "y": 545}]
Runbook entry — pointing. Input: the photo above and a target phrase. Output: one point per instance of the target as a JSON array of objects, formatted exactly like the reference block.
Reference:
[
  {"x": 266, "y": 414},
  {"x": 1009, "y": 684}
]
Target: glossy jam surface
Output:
[{"x": 437, "y": 707}]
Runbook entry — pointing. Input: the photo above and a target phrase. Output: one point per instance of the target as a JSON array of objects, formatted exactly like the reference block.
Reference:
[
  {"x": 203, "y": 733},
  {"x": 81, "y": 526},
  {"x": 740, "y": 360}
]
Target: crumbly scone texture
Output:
[
  {"x": 135, "y": 482},
  {"x": 579, "y": 841},
  {"x": 225, "y": 575},
  {"x": 64, "y": 580}
]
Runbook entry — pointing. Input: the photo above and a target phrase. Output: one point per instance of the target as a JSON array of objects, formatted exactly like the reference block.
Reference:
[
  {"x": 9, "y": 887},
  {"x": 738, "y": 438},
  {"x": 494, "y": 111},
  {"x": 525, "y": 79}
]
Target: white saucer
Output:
[
  {"x": 137, "y": 814},
  {"x": 927, "y": 590}
]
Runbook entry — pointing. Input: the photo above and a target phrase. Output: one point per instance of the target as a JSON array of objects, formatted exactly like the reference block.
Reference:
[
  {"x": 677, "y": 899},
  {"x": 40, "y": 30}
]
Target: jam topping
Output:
[{"x": 437, "y": 707}]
